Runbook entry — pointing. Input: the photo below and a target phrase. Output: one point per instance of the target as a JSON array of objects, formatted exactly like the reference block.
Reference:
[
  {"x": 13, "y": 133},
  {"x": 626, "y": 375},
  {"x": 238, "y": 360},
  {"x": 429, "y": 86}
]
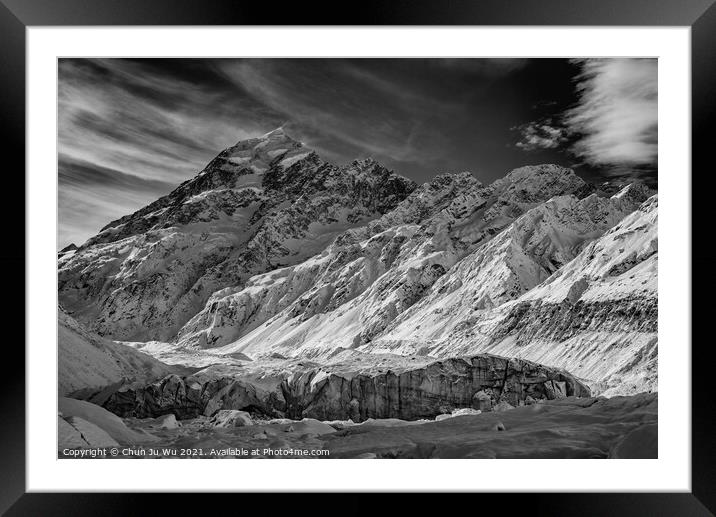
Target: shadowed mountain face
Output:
[{"x": 270, "y": 251}]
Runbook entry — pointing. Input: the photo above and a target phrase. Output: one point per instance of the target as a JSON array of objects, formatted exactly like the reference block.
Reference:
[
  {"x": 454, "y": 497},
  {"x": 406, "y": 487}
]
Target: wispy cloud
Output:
[
  {"x": 616, "y": 116},
  {"x": 542, "y": 134},
  {"x": 128, "y": 135},
  {"x": 345, "y": 106},
  {"x": 612, "y": 126},
  {"x": 115, "y": 115},
  {"x": 87, "y": 190},
  {"x": 129, "y": 129}
]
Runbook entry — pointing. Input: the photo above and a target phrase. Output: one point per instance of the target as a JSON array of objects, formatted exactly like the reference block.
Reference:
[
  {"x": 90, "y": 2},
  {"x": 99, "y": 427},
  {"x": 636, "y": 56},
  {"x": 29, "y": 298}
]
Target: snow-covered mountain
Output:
[
  {"x": 272, "y": 252},
  {"x": 595, "y": 316},
  {"x": 350, "y": 293},
  {"x": 262, "y": 204}
]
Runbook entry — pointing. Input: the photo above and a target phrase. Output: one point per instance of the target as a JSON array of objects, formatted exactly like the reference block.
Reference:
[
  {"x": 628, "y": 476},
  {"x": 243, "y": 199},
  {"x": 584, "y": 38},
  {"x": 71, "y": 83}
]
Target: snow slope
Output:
[
  {"x": 90, "y": 363},
  {"x": 439, "y": 271},
  {"x": 517, "y": 260},
  {"x": 596, "y": 316}
]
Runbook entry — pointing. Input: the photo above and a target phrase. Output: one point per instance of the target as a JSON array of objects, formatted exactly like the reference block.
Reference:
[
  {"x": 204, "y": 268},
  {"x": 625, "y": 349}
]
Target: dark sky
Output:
[{"x": 131, "y": 130}]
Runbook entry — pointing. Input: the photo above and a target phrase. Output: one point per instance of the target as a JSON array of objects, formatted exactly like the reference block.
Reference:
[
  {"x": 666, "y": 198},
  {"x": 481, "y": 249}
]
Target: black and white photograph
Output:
[{"x": 357, "y": 258}]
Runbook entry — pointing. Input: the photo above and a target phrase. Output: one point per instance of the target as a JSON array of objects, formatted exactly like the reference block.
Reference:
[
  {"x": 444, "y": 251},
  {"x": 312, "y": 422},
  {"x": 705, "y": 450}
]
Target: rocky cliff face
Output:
[
  {"x": 522, "y": 256},
  {"x": 336, "y": 393},
  {"x": 480, "y": 382},
  {"x": 352, "y": 292},
  {"x": 352, "y": 263},
  {"x": 596, "y": 316},
  {"x": 259, "y": 205}
]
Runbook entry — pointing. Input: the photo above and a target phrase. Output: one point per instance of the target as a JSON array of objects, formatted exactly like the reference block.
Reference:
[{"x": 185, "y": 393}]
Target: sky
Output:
[{"x": 131, "y": 130}]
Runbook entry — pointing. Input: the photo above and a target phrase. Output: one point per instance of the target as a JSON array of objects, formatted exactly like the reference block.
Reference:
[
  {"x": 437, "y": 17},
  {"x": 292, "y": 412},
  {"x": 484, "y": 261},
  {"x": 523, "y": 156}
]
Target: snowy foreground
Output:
[{"x": 620, "y": 427}]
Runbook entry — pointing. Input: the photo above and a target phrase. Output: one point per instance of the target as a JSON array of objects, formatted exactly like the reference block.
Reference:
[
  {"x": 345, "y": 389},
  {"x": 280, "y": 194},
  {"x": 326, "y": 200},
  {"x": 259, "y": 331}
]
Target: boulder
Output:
[
  {"x": 367, "y": 456},
  {"x": 167, "y": 422},
  {"x": 503, "y": 405},
  {"x": 313, "y": 427},
  {"x": 281, "y": 421},
  {"x": 340, "y": 424},
  {"x": 231, "y": 418},
  {"x": 482, "y": 401},
  {"x": 466, "y": 411},
  {"x": 391, "y": 422}
]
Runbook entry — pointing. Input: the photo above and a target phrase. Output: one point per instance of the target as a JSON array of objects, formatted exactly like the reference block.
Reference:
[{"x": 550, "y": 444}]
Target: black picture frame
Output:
[{"x": 17, "y": 15}]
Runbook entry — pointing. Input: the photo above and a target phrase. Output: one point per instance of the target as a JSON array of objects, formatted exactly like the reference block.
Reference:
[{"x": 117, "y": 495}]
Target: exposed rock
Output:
[
  {"x": 366, "y": 456},
  {"x": 188, "y": 398},
  {"x": 167, "y": 422},
  {"x": 313, "y": 427},
  {"x": 482, "y": 401},
  {"x": 522, "y": 256},
  {"x": 420, "y": 393},
  {"x": 503, "y": 405},
  {"x": 595, "y": 319},
  {"x": 340, "y": 424},
  {"x": 280, "y": 421},
  {"x": 390, "y": 422},
  {"x": 230, "y": 418},
  {"x": 467, "y": 411},
  {"x": 66, "y": 252},
  {"x": 350, "y": 294},
  {"x": 336, "y": 394}
]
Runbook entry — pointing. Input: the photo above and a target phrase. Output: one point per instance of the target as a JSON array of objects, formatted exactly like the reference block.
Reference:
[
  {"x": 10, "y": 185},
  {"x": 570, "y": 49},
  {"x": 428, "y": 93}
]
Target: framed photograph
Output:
[{"x": 426, "y": 237}]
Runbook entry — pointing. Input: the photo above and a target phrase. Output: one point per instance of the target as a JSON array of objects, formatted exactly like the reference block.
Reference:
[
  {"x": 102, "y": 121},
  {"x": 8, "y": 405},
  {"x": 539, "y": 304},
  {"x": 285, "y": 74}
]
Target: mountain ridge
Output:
[
  {"x": 147, "y": 273},
  {"x": 271, "y": 250}
]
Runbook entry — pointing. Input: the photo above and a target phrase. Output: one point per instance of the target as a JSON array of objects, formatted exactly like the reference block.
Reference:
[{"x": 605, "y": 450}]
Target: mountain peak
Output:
[
  {"x": 636, "y": 190},
  {"x": 278, "y": 132},
  {"x": 67, "y": 251},
  {"x": 365, "y": 162},
  {"x": 534, "y": 183},
  {"x": 544, "y": 169},
  {"x": 258, "y": 154}
]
